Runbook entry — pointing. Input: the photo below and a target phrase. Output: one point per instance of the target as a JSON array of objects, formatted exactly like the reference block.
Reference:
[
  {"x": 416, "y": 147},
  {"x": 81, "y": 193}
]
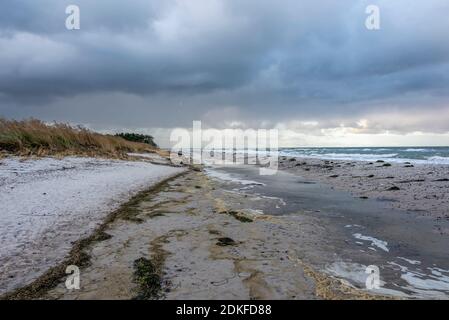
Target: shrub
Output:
[{"x": 135, "y": 137}]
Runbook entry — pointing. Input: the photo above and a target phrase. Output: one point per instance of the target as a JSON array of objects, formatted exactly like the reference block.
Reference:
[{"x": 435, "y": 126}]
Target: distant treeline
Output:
[{"x": 135, "y": 137}]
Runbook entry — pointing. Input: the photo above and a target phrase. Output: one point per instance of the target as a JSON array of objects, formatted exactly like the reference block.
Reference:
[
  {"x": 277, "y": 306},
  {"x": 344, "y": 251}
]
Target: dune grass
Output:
[{"x": 34, "y": 137}]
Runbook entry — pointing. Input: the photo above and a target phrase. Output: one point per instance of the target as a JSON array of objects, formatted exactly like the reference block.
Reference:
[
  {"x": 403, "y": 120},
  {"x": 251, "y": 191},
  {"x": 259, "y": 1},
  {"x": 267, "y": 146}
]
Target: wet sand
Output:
[
  {"x": 420, "y": 188},
  {"x": 209, "y": 243},
  {"x": 407, "y": 247}
]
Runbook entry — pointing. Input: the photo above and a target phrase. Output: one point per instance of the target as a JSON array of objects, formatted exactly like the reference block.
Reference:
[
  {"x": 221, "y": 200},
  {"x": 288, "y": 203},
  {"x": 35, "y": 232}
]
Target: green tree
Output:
[{"x": 136, "y": 137}]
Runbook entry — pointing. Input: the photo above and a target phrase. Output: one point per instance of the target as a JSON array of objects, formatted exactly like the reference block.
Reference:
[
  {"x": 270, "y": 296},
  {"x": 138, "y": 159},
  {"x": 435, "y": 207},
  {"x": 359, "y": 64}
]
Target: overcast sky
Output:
[{"x": 309, "y": 68}]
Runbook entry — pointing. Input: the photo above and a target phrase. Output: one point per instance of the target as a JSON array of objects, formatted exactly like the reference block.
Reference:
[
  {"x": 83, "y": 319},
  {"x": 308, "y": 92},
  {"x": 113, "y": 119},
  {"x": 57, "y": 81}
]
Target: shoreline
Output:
[
  {"x": 419, "y": 188},
  {"x": 193, "y": 212},
  {"x": 359, "y": 232},
  {"x": 200, "y": 245}
]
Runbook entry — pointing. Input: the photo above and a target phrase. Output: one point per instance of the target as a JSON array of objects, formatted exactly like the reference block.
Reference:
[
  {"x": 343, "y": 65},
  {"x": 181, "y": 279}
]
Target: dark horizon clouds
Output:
[{"x": 162, "y": 64}]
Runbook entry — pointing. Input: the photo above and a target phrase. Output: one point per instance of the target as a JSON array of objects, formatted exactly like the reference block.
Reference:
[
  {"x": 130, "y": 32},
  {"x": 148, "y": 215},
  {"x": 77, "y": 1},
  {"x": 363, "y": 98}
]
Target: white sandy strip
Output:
[{"x": 47, "y": 204}]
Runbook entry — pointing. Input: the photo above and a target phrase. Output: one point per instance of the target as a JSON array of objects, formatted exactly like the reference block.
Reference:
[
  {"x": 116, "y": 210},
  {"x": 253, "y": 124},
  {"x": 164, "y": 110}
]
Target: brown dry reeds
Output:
[{"x": 34, "y": 137}]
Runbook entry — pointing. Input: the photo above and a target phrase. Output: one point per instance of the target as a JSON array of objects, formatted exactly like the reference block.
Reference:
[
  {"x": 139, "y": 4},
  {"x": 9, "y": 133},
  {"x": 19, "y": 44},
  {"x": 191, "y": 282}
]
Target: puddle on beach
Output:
[{"x": 413, "y": 260}]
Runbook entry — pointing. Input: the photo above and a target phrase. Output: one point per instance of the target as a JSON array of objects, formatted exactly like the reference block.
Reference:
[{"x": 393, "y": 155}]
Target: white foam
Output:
[
  {"x": 391, "y": 157},
  {"x": 416, "y": 150},
  {"x": 418, "y": 285},
  {"x": 256, "y": 212},
  {"x": 348, "y": 156},
  {"x": 438, "y": 160},
  {"x": 374, "y": 241},
  {"x": 356, "y": 273},
  {"x": 351, "y": 271},
  {"x": 435, "y": 284},
  {"x": 414, "y": 262},
  {"x": 227, "y": 177},
  {"x": 281, "y": 201}
]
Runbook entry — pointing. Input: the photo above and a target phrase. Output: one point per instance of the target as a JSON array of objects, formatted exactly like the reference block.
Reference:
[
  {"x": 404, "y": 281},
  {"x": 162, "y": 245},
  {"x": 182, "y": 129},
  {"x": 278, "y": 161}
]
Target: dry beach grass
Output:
[{"x": 34, "y": 137}]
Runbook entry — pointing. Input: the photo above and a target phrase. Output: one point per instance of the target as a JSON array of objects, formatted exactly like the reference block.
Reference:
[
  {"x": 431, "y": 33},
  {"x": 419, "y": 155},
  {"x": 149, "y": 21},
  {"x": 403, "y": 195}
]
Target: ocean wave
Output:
[
  {"x": 367, "y": 155},
  {"x": 352, "y": 156},
  {"x": 438, "y": 160},
  {"x": 418, "y": 150},
  {"x": 415, "y": 155}
]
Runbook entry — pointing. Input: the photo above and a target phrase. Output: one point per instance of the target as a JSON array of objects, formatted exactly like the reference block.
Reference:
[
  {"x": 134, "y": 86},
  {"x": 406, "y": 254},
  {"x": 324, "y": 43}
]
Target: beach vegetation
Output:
[
  {"x": 135, "y": 137},
  {"x": 35, "y": 137}
]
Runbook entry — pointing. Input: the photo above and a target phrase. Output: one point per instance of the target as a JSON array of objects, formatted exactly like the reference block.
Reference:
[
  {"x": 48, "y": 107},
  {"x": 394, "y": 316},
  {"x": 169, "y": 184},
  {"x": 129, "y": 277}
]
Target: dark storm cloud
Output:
[{"x": 168, "y": 62}]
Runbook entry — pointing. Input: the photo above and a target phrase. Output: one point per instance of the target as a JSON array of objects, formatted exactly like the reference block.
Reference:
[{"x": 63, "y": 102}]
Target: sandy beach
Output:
[
  {"x": 307, "y": 232},
  {"x": 47, "y": 204},
  {"x": 204, "y": 244}
]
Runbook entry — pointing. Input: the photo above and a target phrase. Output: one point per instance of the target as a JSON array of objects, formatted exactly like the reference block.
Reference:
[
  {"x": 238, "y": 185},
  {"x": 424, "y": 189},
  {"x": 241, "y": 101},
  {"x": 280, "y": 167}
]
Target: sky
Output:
[{"x": 310, "y": 69}]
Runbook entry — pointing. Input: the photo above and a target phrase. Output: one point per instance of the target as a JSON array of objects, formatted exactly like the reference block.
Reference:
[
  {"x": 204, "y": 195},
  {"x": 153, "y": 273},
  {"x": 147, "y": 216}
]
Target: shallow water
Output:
[{"x": 411, "y": 255}]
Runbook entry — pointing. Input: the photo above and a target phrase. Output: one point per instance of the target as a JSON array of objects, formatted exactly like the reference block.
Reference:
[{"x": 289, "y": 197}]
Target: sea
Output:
[{"x": 425, "y": 155}]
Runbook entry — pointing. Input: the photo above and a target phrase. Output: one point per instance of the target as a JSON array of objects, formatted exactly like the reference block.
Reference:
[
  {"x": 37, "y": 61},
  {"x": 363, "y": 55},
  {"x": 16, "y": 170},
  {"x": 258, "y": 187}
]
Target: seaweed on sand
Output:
[
  {"x": 225, "y": 241},
  {"x": 237, "y": 215},
  {"x": 147, "y": 277}
]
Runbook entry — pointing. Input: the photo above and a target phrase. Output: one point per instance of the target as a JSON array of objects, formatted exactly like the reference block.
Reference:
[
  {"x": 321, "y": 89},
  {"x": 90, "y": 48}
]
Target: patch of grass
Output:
[{"x": 34, "y": 137}]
